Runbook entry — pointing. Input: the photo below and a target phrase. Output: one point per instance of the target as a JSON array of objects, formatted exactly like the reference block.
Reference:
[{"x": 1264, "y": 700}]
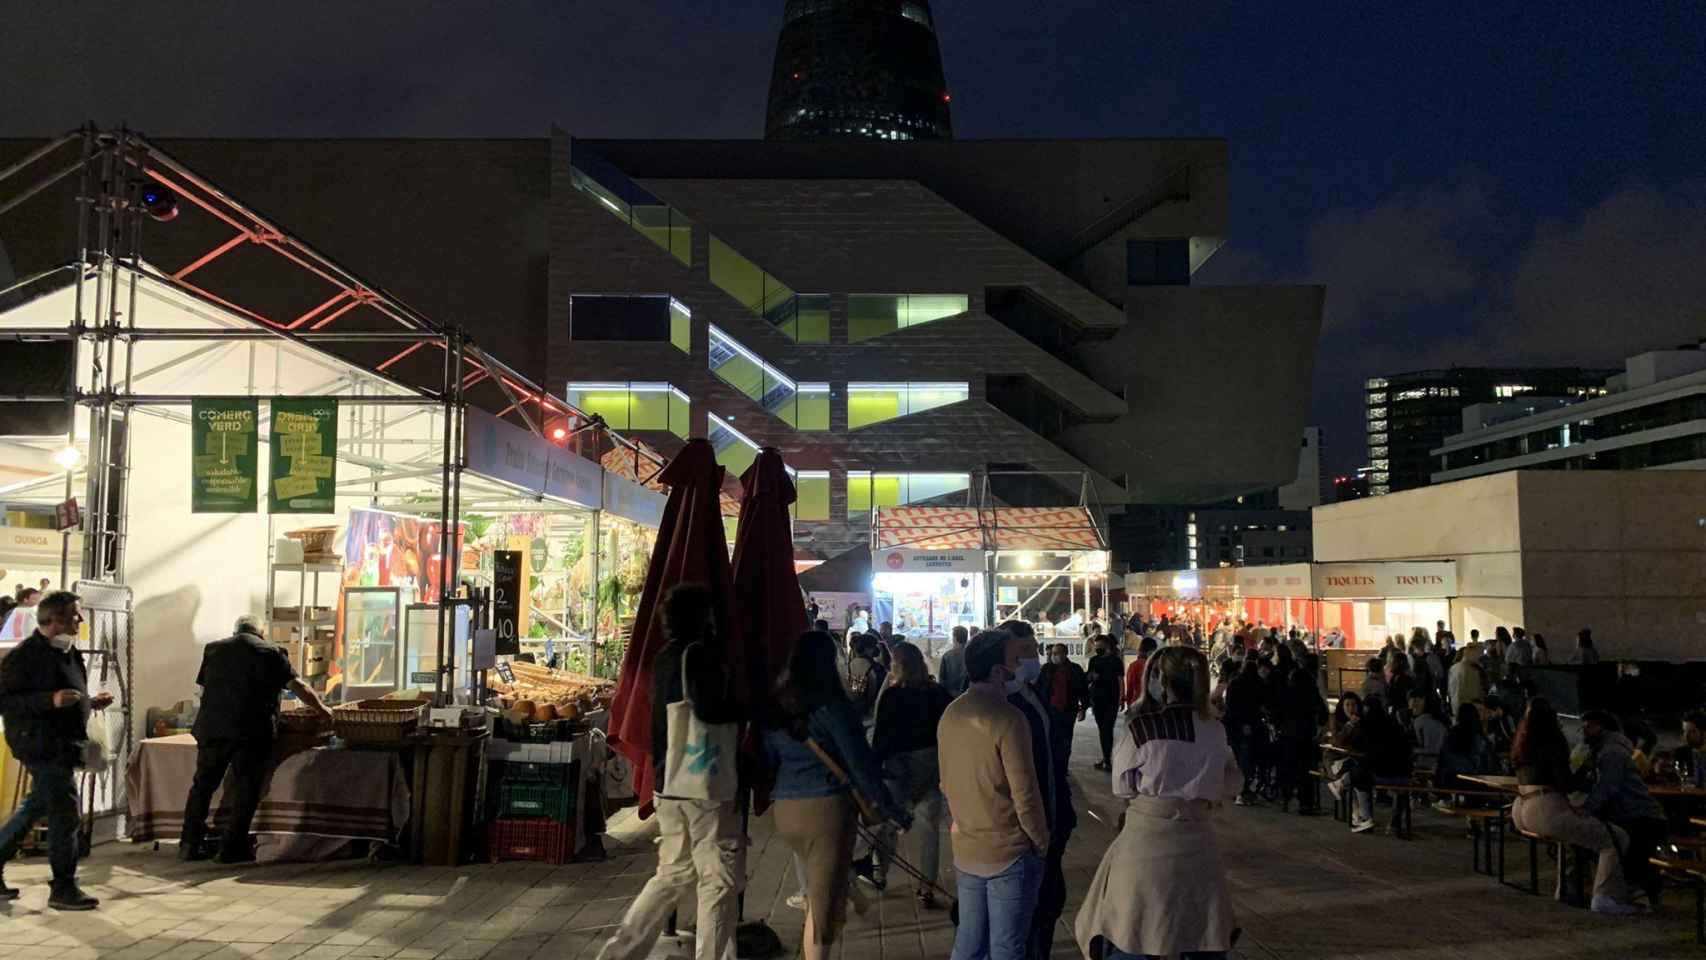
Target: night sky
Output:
[{"x": 1476, "y": 183}]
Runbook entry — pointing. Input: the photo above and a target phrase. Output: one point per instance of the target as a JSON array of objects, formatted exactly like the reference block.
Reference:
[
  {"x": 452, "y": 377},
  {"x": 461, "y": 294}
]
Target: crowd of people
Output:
[{"x": 861, "y": 745}]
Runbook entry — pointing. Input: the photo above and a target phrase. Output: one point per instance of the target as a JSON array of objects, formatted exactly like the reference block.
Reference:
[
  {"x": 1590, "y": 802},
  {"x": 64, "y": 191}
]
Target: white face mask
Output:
[{"x": 61, "y": 642}]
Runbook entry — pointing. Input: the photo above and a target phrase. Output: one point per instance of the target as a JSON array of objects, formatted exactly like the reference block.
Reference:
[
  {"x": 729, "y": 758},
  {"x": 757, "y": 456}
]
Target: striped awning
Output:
[{"x": 995, "y": 528}]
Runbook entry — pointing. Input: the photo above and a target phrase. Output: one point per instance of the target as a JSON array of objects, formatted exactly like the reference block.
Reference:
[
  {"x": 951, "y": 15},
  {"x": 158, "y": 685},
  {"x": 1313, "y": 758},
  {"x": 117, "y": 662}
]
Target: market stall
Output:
[
  {"x": 939, "y": 567},
  {"x": 225, "y": 453},
  {"x": 840, "y": 586}
]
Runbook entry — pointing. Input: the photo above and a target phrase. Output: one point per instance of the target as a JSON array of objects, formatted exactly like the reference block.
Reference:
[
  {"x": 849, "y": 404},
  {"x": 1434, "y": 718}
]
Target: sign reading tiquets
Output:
[
  {"x": 304, "y": 468},
  {"x": 224, "y": 456}
]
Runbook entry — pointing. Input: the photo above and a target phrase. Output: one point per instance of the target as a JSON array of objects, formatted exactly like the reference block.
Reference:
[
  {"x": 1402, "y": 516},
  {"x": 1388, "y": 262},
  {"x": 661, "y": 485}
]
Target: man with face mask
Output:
[
  {"x": 1050, "y": 757},
  {"x": 1001, "y": 828},
  {"x": 1620, "y": 797}
]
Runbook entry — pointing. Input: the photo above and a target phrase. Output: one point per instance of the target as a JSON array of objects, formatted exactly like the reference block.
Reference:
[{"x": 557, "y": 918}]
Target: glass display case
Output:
[{"x": 368, "y": 643}]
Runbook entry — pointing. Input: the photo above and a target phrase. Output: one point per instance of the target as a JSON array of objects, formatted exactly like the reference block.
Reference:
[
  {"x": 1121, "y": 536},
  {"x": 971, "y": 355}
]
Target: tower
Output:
[{"x": 858, "y": 70}]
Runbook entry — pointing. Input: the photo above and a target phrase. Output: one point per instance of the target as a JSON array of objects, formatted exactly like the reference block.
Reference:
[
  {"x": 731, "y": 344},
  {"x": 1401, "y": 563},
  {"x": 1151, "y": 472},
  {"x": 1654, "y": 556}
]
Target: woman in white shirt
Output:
[
  {"x": 21, "y": 622},
  {"x": 1161, "y": 889}
]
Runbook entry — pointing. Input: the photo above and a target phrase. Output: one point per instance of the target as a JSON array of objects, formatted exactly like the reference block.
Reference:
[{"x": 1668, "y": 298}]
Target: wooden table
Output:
[{"x": 1492, "y": 781}]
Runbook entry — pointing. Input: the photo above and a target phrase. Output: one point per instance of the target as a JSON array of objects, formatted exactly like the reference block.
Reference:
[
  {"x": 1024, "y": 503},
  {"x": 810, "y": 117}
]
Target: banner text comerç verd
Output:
[{"x": 224, "y": 456}]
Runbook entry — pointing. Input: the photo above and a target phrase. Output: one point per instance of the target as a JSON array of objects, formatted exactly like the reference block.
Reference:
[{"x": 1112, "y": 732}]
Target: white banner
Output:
[
  {"x": 905, "y": 560},
  {"x": 629, "y": 500},
  {"x": 1279, "y": 580},
  {"x": 517, "y": 455}
]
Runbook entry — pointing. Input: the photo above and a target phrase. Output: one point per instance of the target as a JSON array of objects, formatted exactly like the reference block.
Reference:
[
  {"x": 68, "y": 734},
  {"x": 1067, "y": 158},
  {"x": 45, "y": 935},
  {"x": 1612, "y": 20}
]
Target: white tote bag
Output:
[{"x": 701, "y": 760}]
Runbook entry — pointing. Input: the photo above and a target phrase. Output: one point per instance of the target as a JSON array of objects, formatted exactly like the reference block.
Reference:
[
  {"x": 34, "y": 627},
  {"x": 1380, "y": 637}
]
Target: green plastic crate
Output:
[{"x": 522, "y": 801}]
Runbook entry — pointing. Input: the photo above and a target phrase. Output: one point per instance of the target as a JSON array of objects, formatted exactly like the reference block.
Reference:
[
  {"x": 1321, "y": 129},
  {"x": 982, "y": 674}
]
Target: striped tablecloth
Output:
[{"x": 330, "y": 795}]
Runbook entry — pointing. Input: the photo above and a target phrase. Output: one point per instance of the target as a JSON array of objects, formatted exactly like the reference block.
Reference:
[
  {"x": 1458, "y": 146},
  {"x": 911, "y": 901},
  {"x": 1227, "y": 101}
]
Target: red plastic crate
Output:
[{"x": 545, "y": 841}]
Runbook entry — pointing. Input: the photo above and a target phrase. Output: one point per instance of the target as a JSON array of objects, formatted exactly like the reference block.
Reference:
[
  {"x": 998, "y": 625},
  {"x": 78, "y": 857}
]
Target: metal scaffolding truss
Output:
[{"x": 407, "y": 380}]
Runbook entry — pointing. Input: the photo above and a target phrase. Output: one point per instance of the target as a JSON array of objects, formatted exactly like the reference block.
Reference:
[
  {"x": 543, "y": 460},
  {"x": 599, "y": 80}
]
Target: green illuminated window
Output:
[
  {"x": 742, "y": 279},
  {"x": 735, "y": 451},
  {"x": 871, "y": 315},
  {"x": 627, "y": 201},
  {"x": 635, "y": 406},
  {"x": 869, "y": 403},
  {"x": 866, "y": 489},
  {"x": 811, "y": 495}
]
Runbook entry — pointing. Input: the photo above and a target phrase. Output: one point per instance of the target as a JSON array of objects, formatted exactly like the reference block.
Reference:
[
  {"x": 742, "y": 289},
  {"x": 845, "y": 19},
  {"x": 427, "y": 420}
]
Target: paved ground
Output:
[{"x": 1306, "y": 888}]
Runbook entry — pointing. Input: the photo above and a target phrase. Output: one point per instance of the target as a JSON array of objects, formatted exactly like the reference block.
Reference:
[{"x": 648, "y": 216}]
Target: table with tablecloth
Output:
[{"x": 316, "y": 803}]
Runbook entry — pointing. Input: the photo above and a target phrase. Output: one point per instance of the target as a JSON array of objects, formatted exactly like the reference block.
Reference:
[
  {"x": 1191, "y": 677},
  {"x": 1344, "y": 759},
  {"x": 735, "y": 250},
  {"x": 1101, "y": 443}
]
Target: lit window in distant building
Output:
[
  {"x": 866, "y": 489},
  {"x": 1374, "y": 383},
  {"x": 811, "y": 495},
  {"x": 871, "y": 315},
  {"x": 869, "y": 403},
  {"x": 735, "y": 450},
  {"x": 635, "y": 406},
  {"x": 1507, "y": 390}
]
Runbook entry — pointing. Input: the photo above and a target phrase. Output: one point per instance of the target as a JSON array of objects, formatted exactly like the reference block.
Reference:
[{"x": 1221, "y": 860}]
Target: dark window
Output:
[
  {"x": 1151, "y": 263},
  {"x": 619, "y": 318}
]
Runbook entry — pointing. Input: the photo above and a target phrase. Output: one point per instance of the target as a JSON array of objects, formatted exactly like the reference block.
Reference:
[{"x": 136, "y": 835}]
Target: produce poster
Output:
[
  {"x": 304, "y": 469},
  {"x": 224, "y": 459}
]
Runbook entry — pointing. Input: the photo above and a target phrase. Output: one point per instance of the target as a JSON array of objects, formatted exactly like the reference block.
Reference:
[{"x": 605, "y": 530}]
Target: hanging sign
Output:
[
  {"x": 304, "y": 464},
  {"x": 906, "y": 560},
  {"x": 506, "y": 601},
  {"x": 223, "y": 457}
]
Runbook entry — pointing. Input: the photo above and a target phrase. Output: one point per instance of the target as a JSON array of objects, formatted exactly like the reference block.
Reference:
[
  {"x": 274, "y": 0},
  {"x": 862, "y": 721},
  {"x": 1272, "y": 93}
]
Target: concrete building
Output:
[
  {"x": 905, "y": 319},
  {"x": 1623, "y": 553},
  {"x": 1653, "y": 417},
  {"x": 1310, "y": 488},
  {"x": 1409, "y": 414}
]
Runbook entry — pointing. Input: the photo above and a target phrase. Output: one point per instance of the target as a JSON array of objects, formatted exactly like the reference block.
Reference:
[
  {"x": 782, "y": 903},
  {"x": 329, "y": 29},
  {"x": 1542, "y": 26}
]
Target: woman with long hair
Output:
[
  {"x": 1466, "y": 752},
  {"x": 904, "y": 739},
  {"x": 1541, "y": 755},
  {"x": 1161, "y": 889},
  {"x": 812, "y": 725}
]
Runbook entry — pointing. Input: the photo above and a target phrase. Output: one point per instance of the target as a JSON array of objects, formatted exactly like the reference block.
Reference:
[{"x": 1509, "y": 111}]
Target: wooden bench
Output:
[
  {"x": 1563, "y": 853},
  {"x": 1690, "y": 874}
]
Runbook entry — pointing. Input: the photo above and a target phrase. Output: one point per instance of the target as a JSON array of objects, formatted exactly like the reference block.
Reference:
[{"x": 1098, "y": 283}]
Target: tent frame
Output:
[{"x": 113, "y": 167}]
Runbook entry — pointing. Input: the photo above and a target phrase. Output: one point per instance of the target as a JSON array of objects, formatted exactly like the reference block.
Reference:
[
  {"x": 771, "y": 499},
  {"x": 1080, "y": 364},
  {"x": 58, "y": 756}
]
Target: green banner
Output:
[
  {"x": 304, "y": 469},
  {"x": 224, "y": 458}
]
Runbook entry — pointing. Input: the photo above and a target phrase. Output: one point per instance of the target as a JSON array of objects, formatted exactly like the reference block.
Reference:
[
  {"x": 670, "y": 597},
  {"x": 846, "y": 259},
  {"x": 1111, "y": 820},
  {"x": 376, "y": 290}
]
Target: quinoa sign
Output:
[
  {"x": 225, "y": 437},
  {"x": 304, "y": 464}
]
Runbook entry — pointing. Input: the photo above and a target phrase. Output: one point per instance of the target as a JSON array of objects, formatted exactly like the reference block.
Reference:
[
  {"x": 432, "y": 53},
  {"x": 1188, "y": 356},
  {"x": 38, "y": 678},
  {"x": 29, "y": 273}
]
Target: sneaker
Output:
[
  {"x": 867, "y": 871},
  {"x": 927, "y": 900},
  {"x": 1612, "y": 908},
  {"x": 1336, "y": 788},
  {"x": 189, "y": 852},
  {"x": 1242, "y": 801},
  {"x": 1360, "y": 825},
  {"x": 797, "y": 901},
  {"x": 8, "y": 893},
  {"x": 69, "y": 896},
  {"x": 1445, "y": 807}
]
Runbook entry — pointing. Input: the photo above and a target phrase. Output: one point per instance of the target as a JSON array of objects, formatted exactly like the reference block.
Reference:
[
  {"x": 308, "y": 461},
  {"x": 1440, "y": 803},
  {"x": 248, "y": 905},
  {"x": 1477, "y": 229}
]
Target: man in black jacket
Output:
[
  {"x": 44, "y": 698},
  {"x": 241, "y": 678},
  {"x": 1050, "y": 760}
]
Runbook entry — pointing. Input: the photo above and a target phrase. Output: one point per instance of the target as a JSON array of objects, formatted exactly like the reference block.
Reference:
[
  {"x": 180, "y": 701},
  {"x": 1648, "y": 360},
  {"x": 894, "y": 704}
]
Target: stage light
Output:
[
  {"x": 159, "y": 202},
  {"x": 559, "y": 433},
  {"x": 67, "y": 457}
]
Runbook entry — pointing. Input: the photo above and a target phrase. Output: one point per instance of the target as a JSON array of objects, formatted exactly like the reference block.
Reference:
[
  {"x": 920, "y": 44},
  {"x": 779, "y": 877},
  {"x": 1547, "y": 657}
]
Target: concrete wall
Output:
[{"x": 1623, "y": 553}]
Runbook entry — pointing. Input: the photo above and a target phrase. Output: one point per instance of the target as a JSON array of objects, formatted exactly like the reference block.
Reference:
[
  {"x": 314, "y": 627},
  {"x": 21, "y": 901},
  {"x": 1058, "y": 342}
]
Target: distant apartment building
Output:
[
  {"x": 1652, "y": 416},
  {"x": 1408, "y": 415}
]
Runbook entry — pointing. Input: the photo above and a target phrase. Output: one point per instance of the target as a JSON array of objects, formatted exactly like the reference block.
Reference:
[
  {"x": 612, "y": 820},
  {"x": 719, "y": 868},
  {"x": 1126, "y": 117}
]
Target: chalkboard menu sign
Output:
[{"x": 506, "y": 600}]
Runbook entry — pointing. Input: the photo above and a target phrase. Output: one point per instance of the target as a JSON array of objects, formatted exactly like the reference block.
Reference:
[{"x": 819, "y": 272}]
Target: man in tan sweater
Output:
[{"x": 1000, "y": 832}]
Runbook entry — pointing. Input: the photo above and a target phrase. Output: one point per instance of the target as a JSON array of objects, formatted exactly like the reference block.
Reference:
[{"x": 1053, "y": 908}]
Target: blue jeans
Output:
[
  {"x": 53, "y": 795},
  {"x": 995, "y": 912}
]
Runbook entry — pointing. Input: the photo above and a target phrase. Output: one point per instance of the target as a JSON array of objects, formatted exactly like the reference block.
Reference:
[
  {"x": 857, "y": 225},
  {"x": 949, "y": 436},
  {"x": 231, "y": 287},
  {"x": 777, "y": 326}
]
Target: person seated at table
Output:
[
  {"x": 1386, "y": 759},
  {"x": 1466, "y": 752},
  {"x": 1374, "y": 684},
  {"x": 1496, "y": 722},
  {"x": 1690, "y": 758},
  {"x": 1619, "y": 796},
  {"x": 1541, "y": 756},
  {"x": 1427, "y": 730},
  {"x": 241, "y": 678}
]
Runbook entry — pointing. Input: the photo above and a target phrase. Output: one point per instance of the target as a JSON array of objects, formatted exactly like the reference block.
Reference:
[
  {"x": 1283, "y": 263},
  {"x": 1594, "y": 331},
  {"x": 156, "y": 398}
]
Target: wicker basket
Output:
[{"x": 377, "y": 721}]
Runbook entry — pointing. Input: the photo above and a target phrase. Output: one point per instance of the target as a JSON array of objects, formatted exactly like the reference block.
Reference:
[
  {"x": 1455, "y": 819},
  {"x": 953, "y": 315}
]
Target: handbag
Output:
[{"x": 700, "y": 764}]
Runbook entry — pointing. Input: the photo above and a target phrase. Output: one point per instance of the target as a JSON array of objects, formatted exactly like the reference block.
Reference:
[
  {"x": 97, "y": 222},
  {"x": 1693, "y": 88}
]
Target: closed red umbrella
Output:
[
  {"x": 690, "y": 548},
  {"x": 767, "y": 588}
]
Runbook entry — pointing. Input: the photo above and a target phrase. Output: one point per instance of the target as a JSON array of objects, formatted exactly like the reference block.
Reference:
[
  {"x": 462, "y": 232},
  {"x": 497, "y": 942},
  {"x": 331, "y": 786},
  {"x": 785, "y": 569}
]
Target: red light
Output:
[
  {"x": 945, "y": 97},
  {"x": 559, "y": 433},
  {"x": 796, "y": 76}
]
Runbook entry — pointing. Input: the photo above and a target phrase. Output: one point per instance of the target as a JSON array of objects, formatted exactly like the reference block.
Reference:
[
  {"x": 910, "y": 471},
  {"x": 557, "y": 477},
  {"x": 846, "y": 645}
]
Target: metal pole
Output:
[
  {"x": 446, "y": 669},
  {"x": 70, "y": 397},
  {"x": 453, "y": 522}
]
